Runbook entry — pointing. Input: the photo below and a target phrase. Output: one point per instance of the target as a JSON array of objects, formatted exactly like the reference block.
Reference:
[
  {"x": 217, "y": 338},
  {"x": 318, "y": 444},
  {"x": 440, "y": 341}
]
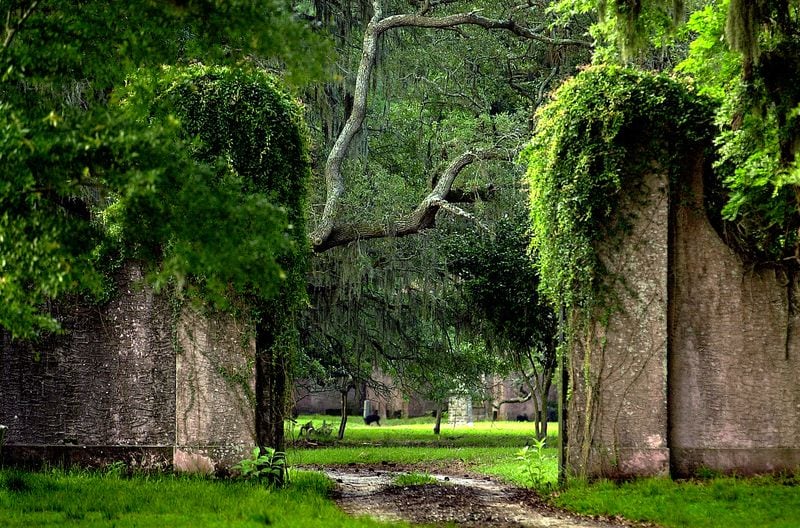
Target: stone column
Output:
[
  {"x": 215, "y": 392},
  {"x": 618, "y": 406}
]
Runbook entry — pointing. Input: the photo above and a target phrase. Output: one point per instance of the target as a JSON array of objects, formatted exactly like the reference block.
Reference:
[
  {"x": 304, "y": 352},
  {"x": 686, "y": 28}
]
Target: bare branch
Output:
[{"x": 11, "y": 31}]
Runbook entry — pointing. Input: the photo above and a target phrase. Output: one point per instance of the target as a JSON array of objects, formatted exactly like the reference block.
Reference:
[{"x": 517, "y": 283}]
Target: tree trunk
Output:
[
  {"x": 546, "y": 383},
  {"x": 437, "y": 428},
  {"x": 537, "y": 424},
  {"x": 343, "y": 422},
  {"x": 271, "y": 383}
]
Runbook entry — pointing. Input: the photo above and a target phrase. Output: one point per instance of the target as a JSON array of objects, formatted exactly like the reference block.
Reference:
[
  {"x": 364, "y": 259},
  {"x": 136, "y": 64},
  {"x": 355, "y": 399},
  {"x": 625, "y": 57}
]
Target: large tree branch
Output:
[
  {"x": 328, "y": 234},
  {"x": 421, "y": 218}
]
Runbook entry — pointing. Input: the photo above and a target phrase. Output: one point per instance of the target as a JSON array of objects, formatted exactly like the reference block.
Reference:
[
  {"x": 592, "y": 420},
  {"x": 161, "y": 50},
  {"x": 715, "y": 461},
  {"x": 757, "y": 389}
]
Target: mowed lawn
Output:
[
  {"x": 58, "y": 498},
  {"x": 491, "y": 448},
  {"x": 485, "y": 447}
]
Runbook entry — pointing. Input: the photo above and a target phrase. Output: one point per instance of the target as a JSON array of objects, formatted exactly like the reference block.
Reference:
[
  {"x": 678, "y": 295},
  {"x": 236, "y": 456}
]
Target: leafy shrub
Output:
[
  {"x": 535, "y": 462},
  {"x": 264, "y": 464}
]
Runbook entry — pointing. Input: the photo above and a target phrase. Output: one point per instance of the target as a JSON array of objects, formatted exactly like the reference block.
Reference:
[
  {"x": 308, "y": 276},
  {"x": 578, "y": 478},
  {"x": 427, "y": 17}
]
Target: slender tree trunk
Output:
[
  {"x": 437, "y": 428},
  {"x": 271, "y": 382},
  {"x": 547, "y": 382},
  {"x": 537, "y": 424},
  {"x": 343, "y": 422}
]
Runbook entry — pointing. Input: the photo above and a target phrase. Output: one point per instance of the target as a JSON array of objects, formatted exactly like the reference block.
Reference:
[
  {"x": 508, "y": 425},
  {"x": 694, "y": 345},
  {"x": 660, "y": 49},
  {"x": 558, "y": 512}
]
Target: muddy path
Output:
[{"x": 456, "y": 499}]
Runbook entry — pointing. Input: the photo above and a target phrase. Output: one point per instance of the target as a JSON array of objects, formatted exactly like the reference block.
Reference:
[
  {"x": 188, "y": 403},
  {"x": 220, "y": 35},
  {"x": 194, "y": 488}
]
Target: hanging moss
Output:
[{"x": 587, "y": 155}]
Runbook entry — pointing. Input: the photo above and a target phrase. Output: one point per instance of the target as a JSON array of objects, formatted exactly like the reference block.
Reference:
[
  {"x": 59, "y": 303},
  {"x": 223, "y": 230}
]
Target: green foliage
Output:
[
  {"x": 636, "y": 19},
  {"x": 71, "y": 154},
  {"x": 586, "y": 158},
  {"x": 536, "y": 461},
  {"x": 629, "y": 31},
  {"x": 711, "y": 66},
  {"x": 98, "y": 42},
  {"x": 743, "y": 56},
  {"x": 501, "y": 284},
  {"x": 759, "y": 96},
  {"x": 238, "y": 223},
  {"x": 758, "y": 157},
  {"x": 265, "y": 465}
]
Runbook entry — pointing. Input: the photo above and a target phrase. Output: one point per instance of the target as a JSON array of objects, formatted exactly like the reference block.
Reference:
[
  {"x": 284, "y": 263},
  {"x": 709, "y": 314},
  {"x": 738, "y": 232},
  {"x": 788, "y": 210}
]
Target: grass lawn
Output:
[
  {"x": 490, "y": 448},
  {"x": 763, "y": 502},
  {"x": 93, "y": 499},
  {"x": 485, "y": 447}
]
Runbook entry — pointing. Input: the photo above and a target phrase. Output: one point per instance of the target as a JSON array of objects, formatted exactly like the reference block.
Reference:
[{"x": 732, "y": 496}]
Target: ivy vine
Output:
[{"x": 603, "y": 131}]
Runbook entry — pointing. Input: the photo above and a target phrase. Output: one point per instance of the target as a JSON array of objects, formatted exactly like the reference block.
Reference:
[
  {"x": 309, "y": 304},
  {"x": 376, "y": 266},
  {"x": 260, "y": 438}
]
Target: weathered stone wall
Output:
[
  {"x": 109, "y": 380},
  {"x": 130, "y": 381},
  {"x": 618, "y": 408},
  {"x": 701, "y": 368},
  {"x": 215, "y": 391},
  {"x": 735, "y": 353}
]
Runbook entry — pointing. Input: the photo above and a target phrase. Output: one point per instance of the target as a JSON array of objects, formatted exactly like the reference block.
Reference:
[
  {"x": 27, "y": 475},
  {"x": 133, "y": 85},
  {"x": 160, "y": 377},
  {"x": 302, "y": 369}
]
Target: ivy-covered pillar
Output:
[
  {"x": 607, "y": 151},
  {"x": 618, "y": 418},
  {"x": 245, "y": 125}
]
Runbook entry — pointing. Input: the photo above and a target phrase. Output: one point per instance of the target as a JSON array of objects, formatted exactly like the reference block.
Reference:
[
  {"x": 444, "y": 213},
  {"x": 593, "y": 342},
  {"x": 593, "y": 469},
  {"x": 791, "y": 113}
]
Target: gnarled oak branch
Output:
[
  {"x": 421, "y": 218},
  {"x": 328, "y": 234}
]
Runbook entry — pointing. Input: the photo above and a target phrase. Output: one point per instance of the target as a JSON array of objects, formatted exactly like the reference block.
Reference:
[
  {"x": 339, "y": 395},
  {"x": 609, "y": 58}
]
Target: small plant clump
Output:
[
  {"x": 414, "y": 479},
  {"x": 536, "y": 464},
  {"x": 264, "y": 464}
]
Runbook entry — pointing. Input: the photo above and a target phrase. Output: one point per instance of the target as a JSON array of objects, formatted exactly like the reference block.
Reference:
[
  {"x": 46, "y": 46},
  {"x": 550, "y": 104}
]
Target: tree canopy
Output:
[{"x": 73, "y": 151}]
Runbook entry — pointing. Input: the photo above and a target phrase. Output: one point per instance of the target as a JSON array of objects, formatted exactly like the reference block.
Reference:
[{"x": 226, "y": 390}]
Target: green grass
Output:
[
  {"x": 414, "y": 479},
  {"x": 90, "y": 499},
  {"x": 764, "y": 502},
  {"x": 419, "y": 431},
  {"x": 487, "y": 447}
]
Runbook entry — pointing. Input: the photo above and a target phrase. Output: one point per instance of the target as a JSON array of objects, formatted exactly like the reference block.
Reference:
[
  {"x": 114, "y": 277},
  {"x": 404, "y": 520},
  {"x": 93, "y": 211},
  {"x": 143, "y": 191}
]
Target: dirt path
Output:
[{"x": 470, "y": 501}]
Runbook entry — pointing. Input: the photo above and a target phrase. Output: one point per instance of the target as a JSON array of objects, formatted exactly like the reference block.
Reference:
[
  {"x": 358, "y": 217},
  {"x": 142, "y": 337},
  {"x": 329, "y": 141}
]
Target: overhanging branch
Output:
[
  {"x": 328, "y": 234},
  {"x": 423, "y": 217}
]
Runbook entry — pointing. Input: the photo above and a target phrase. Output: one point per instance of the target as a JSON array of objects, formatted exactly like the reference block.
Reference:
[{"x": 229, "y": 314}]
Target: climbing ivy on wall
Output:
[
  {"x": 586, "y": 156},
  {"x": 245, "y": 198},
  {"x": 249, "y": 131}
]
